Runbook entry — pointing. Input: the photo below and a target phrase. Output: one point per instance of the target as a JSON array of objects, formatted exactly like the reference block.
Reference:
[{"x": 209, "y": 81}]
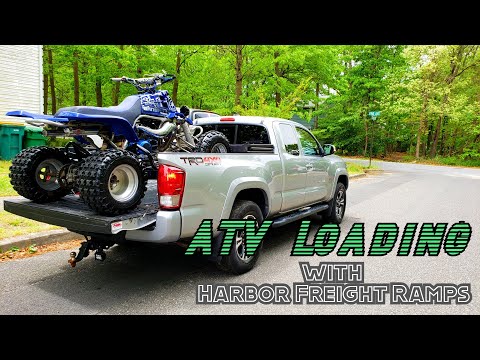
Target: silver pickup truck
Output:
[{"x": 277, "y": 170}]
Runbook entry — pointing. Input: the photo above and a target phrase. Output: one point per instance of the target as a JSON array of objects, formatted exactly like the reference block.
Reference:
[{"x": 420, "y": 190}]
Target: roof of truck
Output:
[{"x": 242, "y": 120}]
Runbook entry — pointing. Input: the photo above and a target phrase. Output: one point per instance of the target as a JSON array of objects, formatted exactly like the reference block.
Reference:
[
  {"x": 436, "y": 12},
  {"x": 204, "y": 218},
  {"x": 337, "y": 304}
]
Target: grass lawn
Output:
[
  {"x": 354, "y": 168},
  {"x": 5, "y": 187},
  {"x": 13, "y": 225},
  {"x": 10, "y": 224}
]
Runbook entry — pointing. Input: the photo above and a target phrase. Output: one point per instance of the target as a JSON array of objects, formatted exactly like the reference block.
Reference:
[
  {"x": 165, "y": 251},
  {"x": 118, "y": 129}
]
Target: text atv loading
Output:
[{"x": 428, "y": 240}]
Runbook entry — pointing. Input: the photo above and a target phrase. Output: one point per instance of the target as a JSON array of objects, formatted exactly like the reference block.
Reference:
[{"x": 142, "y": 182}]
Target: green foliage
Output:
[
  {"x": 58, "y": 141},
  {"x": 354, "y": 169},
  {"x": 6, "y": 188},
  {"x": 423, "y": 91}
]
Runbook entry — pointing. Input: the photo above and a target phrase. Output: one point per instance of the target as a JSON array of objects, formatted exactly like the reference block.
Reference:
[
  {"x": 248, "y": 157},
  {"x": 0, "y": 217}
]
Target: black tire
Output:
[
  {"x": 213, "y": 142},
  {"x": 237, "y": 262},
  {"x": 33, "y": 173},
  {"x": 336, "y": 207},
  {"x": 112, "y": 182}
]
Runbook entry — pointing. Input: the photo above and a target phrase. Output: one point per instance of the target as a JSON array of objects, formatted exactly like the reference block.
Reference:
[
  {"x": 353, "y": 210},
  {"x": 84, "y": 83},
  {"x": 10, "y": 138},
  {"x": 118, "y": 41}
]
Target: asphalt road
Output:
[{"x": 149, "y": 279}]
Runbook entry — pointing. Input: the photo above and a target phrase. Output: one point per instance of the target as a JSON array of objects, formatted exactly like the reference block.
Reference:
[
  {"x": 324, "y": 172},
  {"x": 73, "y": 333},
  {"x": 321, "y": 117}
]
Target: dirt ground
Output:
[{"x": 37, "y": 250}]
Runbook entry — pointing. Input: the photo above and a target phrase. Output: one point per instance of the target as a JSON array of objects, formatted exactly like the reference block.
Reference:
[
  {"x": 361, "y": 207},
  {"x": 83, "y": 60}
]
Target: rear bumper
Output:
[{"x": 167, "y": 229}]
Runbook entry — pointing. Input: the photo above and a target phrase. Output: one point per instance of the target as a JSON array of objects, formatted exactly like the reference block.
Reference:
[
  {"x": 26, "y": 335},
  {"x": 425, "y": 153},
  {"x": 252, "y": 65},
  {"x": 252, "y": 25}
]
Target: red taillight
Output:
[
  {"x": 227, "y": 119},
  {"x": 171, "y": 183}
]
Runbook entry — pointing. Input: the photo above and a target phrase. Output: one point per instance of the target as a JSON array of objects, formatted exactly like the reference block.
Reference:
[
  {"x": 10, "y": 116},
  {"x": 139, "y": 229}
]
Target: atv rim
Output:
[
  {"x": 240, "y": 242},
  {"x": 123, "y": 183},
  {"x": 46, "y": 174},
  {"x": 219, "y": 148}
]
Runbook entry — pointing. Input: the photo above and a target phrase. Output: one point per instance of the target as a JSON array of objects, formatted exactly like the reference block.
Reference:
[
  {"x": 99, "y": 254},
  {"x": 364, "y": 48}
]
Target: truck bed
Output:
[{"x": 72, "y": 213}]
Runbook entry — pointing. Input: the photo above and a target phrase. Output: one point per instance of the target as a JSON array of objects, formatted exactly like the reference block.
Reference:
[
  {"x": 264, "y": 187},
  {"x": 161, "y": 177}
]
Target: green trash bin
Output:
[
  {"x": 33, "y": 137},
  {"x": 11, "y": 138}
]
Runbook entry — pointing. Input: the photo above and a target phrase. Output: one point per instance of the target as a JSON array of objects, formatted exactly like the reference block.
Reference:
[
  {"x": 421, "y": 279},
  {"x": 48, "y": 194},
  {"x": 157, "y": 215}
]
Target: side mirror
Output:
[{"x": 329, "y": 149}]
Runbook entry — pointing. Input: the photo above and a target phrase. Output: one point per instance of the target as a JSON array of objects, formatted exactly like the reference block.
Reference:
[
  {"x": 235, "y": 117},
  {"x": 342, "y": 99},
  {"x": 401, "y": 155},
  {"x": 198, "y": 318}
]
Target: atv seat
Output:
[{"x": 129, "y": 109}]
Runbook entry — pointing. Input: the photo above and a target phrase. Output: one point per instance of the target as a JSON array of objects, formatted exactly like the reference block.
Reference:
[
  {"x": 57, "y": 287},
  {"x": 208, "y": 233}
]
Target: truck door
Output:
[
  {"x": 316, "y": 166},
  {"x": 293, "y": 194}
]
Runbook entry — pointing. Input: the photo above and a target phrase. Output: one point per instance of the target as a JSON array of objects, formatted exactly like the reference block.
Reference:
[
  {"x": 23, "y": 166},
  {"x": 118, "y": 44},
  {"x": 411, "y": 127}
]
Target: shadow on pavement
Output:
[{"x": 137, "y": 272}]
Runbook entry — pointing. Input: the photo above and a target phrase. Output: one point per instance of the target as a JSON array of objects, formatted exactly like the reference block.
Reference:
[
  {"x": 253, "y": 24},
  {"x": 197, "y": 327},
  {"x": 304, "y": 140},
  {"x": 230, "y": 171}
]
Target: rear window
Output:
[
  {"x": 228, "y": 131},
  {"x": 252, "y": 134},
  {"x": 241, "y": 133}
]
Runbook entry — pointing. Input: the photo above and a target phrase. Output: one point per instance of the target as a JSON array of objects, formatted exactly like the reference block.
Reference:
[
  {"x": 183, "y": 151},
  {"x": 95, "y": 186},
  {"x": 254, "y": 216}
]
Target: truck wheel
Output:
[
  {"x": 213, "y": 142},
  {"x": 112, "y": 182},
  {"x": 237, "y": 261},
  {"x": 336, "y": 206},
  {"x": 34, "y": 173}
]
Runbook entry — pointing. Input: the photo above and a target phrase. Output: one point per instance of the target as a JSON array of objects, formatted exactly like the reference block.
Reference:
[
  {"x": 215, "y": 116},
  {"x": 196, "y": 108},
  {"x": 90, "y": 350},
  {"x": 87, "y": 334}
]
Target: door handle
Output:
[{"x": 309, "y": 167}]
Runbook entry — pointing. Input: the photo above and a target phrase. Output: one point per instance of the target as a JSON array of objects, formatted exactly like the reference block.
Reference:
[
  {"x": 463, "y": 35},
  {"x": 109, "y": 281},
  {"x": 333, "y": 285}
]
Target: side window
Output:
[
  {"x": 252, "y": 134},
  {"x": 309, "y": 145},
  {"x": 199, "y": 115},
  {"x": 203, "y": 114},
  {"x": 289, "y": 139}
]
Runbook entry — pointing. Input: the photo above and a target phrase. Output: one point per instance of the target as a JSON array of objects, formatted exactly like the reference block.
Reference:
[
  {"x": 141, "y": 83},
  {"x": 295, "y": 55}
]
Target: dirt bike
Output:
[{"x": 110, "y": 177}]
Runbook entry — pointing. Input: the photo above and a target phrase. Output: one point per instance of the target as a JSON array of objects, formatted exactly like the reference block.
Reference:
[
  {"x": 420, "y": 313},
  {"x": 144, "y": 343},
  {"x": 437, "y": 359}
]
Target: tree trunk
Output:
[
  {"x": 52, "y": 81},
  {"x": 139, "y": 51},
  {"x": 76, "y": 83},
  {"x": 366, "y": 136},
  {"x": 177, "y": 73},
  {"x": 45, "y": 93},
  {"x": 419, "y": 137},
  {"x": 84, "y": 73},
  {"x": 452, "y": 146},
  {"x": 429, "y": 138},
  {"x": 278, "y": 73},
  {"x": 421, "y": 125},
  {"x": 98, "y": 91},
  {"x": 433, "y": 149},
  {"x": 238, "y": 73},
  {"x": 116, "y": 86},
  {"x": 317, "y": 93},
  {"x": 442, "y": 137}
]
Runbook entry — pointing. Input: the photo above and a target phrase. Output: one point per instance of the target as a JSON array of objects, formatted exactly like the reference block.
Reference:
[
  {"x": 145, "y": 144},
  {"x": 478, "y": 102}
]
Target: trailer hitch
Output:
[{"x": 97, "y": 243}]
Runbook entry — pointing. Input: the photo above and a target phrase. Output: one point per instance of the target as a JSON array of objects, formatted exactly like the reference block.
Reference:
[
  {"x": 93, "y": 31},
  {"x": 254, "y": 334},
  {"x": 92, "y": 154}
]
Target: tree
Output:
[{"x": 52, "y": 80}]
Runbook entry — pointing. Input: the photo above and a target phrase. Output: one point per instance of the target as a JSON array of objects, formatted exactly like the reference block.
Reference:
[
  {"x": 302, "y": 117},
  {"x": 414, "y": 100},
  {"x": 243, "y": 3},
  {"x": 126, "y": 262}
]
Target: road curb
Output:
[
  {"x": 374, "y": 171},
  {"x": 356, "y": 176},
  {"x": 40, "y": 238}
]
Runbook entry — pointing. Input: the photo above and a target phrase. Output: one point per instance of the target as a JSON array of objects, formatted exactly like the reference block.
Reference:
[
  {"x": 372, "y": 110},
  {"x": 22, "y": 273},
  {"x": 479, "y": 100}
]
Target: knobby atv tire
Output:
[
  {"x": 94, "y": 179},
  {"x": 212, "y": 142},
  {"x": 25, "y": 176}
]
